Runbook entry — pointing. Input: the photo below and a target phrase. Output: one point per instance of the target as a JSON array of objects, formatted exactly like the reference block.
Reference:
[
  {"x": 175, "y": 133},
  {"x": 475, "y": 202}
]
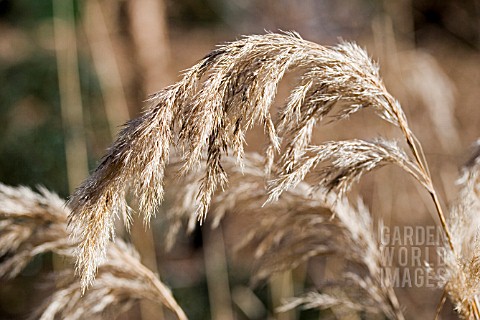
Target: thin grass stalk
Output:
[
  {"x": 151, "y": 49},
  {"x": 421, "y": 161},
  {"x": 216, "y": 273},
  {"x": 106, "y": 66},
  {"x": 281, "y": 288},
  {"x": 143, "y": 240},
  {"x": 70, "y": 92}
]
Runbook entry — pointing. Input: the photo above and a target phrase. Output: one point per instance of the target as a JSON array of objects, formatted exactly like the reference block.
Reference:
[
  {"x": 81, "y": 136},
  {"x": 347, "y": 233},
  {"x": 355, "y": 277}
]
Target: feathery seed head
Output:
[
  {"x": 35, "y": 223},
  {"x": 207, "y": 114}
]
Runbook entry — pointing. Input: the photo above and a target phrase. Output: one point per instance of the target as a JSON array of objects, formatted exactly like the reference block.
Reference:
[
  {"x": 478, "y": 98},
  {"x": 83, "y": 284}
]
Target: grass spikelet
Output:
[
  {"x": 365, "y": 249},
  {"x": 294, "y": 217},
  {"x": 315, "y": 300},
  {"x": 349, "y": 161}
]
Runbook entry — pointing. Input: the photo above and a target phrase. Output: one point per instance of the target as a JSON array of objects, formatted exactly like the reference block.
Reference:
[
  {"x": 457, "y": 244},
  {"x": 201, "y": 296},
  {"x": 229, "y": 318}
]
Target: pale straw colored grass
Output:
[
  {"x": 30, "y": 224},
  {"x": 35, "y": 223},
  {"x": 297, "y": 227},
  {"x": 462, "y": 272},
  {"x": 206, "y": 116},
  {"x": 121, "y": 281}
]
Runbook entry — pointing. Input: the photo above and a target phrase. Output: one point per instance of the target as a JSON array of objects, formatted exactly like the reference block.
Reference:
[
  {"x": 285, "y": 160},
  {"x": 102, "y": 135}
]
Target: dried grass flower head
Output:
[
  {"x": 462, "y": 273},
  {"x": 122, "y": 280},
  {"x": 34, "y": 223},
  {"x": 206, "y": 116},
  {"x": 30, "y": 224},
  {"x": 299, "y": 226}
]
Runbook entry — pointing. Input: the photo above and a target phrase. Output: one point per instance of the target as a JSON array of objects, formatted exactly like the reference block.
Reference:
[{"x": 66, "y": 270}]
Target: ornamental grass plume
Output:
[
  {"x": 299, "y": 226},
  {"x": 360, "y": 247},
  {"x": 35, "y": 223},
  {"x": 122, "y": 279},
  {"x": 206, "y": 116},
  {"x": 30, "y": 224},
  {"x": 349, "y": 161}
]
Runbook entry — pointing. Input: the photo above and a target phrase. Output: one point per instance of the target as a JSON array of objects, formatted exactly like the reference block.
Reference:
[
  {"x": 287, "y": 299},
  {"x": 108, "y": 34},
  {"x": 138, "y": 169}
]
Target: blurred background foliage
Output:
[{"x": 127, "y": 49}]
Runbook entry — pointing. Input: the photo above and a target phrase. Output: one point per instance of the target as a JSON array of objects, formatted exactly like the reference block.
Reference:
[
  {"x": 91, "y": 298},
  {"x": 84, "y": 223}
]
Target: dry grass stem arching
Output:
[
  {"x": 34, "y": 223},
  {"x": 206, "y": 116},
  {"x": 209, "y": 111}
]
